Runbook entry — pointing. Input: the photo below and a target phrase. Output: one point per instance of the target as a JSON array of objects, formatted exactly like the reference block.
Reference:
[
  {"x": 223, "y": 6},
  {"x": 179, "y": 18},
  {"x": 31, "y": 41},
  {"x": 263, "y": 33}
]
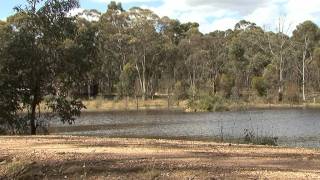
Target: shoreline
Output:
[
  {"x": 103, "y": 105},
  {"x": 162, "y": 105},
  {"x": 74, "y": 157}
]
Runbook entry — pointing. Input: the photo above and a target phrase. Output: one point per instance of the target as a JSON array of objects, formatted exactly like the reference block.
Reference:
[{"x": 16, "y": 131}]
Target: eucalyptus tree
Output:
[
  {"x": 169, "y": 55},
  {"x": 216, "y": 48},
  {"x": 81, "y": 57},
  {"x": 255, "y": 44},
  {"x": 9, "y": 95},
  {"x": 39, "y": 31},
  {"x": 237, "y": 65},
  {"x": 113, "y": 43},
  {"x": 145, "y": 47},
  {"x": 192, "y": 54},
  {"x": 306, "y": 37},
  {"x": 278, "y": 44},
  {"x": 315, "y": 65}
]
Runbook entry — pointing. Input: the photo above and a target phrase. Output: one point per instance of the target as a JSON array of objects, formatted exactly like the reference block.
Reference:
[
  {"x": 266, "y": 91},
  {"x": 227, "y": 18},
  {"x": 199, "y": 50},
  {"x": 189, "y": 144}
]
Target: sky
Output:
[{"x": 213, "y": 14}]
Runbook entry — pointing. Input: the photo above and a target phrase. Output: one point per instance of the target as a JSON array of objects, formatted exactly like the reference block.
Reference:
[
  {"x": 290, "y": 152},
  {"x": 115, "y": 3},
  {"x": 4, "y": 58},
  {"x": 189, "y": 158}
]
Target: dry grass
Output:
[
  {"x": 130, "y": 104},
  {"x": 98, "y": 105},
  {"x": 102, "y": 105},
  {"x": 58, "y": 157}
]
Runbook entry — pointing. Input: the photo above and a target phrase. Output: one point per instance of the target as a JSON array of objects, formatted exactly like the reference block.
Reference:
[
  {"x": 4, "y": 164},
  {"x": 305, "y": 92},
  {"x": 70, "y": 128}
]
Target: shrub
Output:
[
  {"x": 208, "y": 103},
  {"x": 3, "y": 131},
  {"x": 250, "y": 138},
  {"x": 212, "y": 103},
  {"x": 226, "y": 84},
  {"x": 180, "y": 91},
  {"x": 271, "y": 141},
  {"x": 125, "y": 86},
  {"x": 292, "y": 93},
  {"x": 260, "y": 85}
]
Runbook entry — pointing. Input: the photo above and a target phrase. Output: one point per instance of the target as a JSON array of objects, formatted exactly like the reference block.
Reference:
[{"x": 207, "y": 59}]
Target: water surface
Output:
[{"x": 292, "y": 127}]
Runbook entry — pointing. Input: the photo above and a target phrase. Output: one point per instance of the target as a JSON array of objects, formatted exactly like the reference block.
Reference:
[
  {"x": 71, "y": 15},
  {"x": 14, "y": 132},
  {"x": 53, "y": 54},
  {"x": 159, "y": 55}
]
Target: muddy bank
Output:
[{"x": 59, "y": 157}]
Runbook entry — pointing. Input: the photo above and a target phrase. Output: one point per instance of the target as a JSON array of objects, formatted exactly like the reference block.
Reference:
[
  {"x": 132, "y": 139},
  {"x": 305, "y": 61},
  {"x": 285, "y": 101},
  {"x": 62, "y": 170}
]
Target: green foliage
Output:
[
  {"x": 180, "y": 91},
  {"x": 65, "y": 108},
  {"x": 212, "y": 103},
  {"x": 34, "y": 60},
  {"x": 207, "y": 103},
  {"x": 44, "y": 52},
  {"x": 292, "y": 93},
  {"x": 125, "y": 86},
  {"x": 260, "y": 85},
  {"x": 226, "y": 84},
  {"x": 250, "y": 138}
]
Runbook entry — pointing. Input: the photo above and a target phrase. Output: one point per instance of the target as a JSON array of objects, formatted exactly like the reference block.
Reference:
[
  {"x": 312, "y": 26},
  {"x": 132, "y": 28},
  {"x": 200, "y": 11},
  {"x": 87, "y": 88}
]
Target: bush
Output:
[
  {"x": 3, "y": 131},
  {"x": 125, "y": 86},
  {"x": 226, "y": 84},
  {"x": 292, "y": 93},
  {"x": 15, "y": 125},
  {"x": 250, "y": 138},
  {"x": 208, "y": 103},
  {"x": 260, "y": 85},
  {"x": 180, "y": 91},
  {"x": 270, "y": 141},
  {"x": 212, "y": 103}
]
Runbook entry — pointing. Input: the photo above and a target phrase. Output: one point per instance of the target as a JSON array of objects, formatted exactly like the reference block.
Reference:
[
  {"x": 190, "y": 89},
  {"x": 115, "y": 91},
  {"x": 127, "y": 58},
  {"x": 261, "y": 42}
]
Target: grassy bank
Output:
[
  {"x": 131, "y": 104},
  {"x": 59, "y": 157},
  {"x": 100, "y": 105}
]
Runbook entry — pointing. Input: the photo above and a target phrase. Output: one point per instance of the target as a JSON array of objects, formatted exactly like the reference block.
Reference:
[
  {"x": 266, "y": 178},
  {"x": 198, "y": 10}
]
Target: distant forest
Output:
[{"x": 49, "y": 57}]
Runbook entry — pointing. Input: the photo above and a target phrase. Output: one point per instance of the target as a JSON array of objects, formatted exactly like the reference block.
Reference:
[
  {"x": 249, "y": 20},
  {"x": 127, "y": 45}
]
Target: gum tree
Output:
[{"x": 36, "y": 50}]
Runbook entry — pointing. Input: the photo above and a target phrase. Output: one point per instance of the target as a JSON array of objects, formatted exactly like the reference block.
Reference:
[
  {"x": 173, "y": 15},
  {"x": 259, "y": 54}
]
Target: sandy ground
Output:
[{"x": 65, "y": 157}]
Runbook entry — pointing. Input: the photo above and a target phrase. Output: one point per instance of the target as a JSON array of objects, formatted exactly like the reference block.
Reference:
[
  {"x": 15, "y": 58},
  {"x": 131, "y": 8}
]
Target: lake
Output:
[{"x": 291, "y": 127}]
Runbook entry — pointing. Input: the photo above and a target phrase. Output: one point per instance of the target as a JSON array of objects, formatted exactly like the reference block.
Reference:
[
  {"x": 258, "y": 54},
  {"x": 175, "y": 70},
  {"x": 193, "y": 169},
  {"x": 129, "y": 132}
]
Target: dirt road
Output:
[{"x": 64, "y": 157}]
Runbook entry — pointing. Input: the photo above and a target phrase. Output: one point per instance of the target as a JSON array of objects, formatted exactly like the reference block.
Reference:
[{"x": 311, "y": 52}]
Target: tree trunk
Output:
[
  {"x": 89, "y": 90},
  {"x": 33, "y": 126},
  {"x": 127, "y": 99},
  {"x": 168, "y": 96},
  {"x": 303, "y": 80},
  {"x": 137, "y": 102},
  {"x": 303, "y": 69},
  {"x": 280, "y": 93},
  {"x": 144, "y": 90}
]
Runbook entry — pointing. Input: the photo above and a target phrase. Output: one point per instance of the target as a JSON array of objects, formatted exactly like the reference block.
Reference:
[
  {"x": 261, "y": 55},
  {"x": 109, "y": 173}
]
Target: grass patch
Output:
[
  {"x": 208, "y": 104},
  {"x": 12, "y": 169},
  {"x": 100, "y": 104},
  {"x": 250, "y": 138},
  {"x": 150, "y": 174}
]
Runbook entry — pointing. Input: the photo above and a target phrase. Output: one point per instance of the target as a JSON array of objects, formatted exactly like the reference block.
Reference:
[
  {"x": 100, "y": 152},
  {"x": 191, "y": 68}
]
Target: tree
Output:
[
  {"x": 145, "y": 46},
  {"x": 113, "y": 44},
  {"x": 305, "y": 36},
  {"x": 277, "y": 45},
  {"x": 125, "y": 87},
  {"x": 82, "y": 55},
  {"x": 37, "y": 56},
  {"x": 260, "y": 85},
  {"x": 238, "y": 64},
  {"x": 9, "y": 96}
]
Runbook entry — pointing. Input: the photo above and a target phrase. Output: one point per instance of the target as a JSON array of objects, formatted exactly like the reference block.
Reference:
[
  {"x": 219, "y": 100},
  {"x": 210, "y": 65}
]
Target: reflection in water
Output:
[{"x": 293, "y": 127}]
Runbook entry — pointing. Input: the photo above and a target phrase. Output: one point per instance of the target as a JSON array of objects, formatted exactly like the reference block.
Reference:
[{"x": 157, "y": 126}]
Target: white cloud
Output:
[
  {"x": 84, "y": 14},
  {"x": 223, "y": 14},
  {"x": 124, "y": 1}
]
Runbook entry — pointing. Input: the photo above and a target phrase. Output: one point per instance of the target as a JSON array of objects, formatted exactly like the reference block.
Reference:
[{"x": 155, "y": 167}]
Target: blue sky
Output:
[{"x": 212, "y": 14}]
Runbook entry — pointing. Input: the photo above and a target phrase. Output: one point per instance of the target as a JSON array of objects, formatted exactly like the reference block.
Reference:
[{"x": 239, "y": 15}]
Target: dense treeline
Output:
[{"x": 48, "y": 56}]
